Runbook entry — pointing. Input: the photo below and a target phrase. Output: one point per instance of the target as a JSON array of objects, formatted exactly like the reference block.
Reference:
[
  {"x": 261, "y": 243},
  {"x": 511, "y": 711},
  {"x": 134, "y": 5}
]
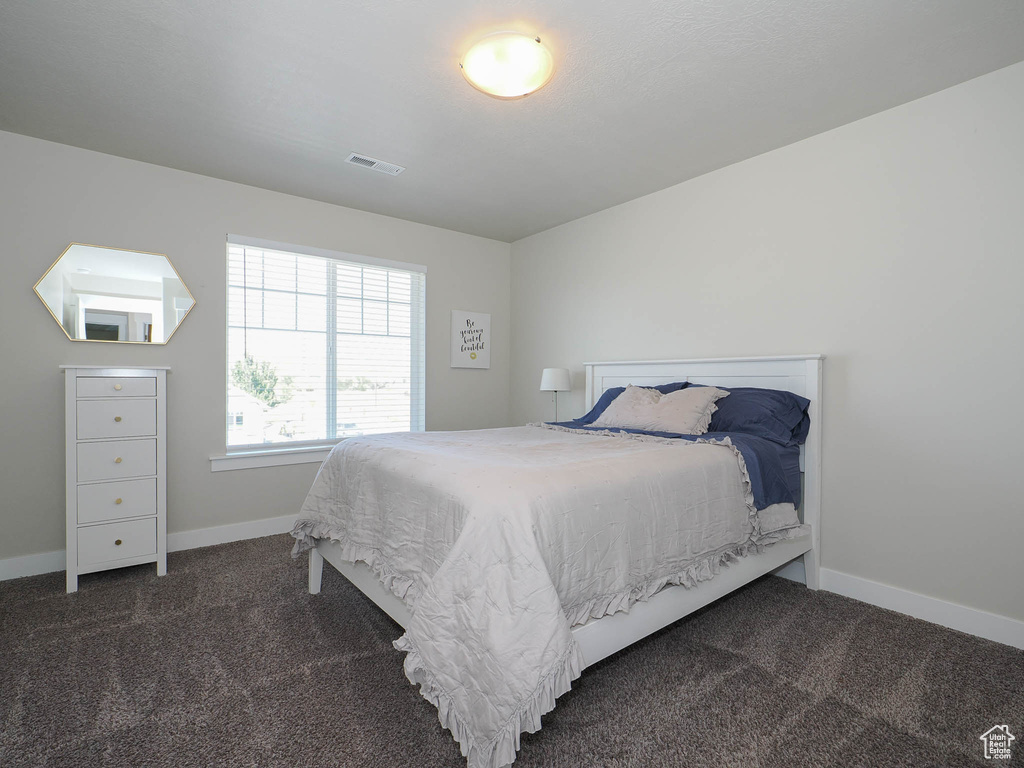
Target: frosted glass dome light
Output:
[{"x": 508, "y": 65}]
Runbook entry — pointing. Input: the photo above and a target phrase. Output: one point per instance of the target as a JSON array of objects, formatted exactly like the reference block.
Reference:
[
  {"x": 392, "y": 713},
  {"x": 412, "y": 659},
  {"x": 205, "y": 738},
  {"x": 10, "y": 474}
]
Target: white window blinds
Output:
[{"x": 321, "y": 345}]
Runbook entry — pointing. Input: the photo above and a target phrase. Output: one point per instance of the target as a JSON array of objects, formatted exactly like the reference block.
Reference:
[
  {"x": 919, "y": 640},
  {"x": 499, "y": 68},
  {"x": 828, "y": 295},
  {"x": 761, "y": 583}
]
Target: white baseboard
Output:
[
  {"x": 991, "y": 626},
  {"x": 48, "y": 562},
  {"x": 31, "y": 565},
  {"x": 794, "y": 571},
  {"x": 223, "y": 534}
]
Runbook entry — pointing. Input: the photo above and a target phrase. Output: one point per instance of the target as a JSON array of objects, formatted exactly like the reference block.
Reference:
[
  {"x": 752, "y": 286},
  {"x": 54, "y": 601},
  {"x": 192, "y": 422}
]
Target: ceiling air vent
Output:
[{"x": 378, "y": 165}]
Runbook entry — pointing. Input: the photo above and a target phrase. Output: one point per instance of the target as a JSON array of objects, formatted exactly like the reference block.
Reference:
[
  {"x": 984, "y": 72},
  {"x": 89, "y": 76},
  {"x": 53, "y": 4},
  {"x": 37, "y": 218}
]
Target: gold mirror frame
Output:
[{"x": 60, "y": 323}]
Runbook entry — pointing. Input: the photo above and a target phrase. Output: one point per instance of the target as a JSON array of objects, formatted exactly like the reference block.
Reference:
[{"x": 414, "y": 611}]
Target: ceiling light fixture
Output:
[{"x": 508, "y": 65}]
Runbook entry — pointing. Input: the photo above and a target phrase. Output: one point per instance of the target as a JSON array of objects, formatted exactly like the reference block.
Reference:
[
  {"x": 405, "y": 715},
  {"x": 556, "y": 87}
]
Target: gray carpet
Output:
[{"x": 227, "y": 661}]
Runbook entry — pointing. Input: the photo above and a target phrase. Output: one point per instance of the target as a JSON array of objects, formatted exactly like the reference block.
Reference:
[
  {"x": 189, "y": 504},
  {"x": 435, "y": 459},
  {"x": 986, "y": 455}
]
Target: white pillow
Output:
[{"x": 687, "y": 411}]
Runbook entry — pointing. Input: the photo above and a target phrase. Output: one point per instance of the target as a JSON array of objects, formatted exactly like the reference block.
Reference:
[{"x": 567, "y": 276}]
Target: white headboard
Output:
[{"x": 800, "y": 374}]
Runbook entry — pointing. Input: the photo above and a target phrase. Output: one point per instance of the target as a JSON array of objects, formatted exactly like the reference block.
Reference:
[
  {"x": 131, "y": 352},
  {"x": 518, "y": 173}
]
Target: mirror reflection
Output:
[{"x": 97, "y": 293}]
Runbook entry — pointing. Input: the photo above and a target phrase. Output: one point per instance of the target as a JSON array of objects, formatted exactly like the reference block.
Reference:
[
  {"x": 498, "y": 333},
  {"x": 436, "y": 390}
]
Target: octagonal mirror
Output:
[{"x": 97, "y": 293}]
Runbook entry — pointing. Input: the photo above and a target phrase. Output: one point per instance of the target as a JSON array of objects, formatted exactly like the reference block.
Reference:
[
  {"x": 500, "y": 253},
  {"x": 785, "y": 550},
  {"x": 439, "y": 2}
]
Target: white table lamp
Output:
[{"x": 555, "y": 380}]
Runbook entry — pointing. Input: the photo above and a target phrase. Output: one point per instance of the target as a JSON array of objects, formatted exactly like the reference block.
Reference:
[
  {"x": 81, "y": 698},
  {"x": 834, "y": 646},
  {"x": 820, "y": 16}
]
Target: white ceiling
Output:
[
  {"x": 114, "y": 262},
  {"x": 646, "y": 94}
]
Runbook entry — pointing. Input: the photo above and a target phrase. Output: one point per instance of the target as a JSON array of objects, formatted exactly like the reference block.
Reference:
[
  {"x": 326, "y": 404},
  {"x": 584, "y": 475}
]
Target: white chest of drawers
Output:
[{"x": 116, "y": 469}]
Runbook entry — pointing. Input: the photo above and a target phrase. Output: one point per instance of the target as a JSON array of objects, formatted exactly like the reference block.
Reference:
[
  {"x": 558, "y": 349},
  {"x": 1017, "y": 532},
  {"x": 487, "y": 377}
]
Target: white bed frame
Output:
[{"x": 599, "y": 638}]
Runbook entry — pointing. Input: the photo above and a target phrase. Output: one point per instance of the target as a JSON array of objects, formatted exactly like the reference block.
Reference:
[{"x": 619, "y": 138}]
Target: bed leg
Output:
[
  {"x": 811, "y": 576},
  {"x": 316, "y": 570}
]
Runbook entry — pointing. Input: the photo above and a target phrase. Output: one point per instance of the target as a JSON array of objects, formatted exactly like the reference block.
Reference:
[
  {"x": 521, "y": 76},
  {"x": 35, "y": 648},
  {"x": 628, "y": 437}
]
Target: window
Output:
[{"x": 321, "y": 345}]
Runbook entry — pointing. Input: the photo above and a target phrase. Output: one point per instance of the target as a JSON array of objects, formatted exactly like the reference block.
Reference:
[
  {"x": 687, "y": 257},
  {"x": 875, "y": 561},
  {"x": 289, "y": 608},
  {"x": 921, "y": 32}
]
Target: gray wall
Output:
[
  {"x": 52, "y": 194},
  {"x": 895, "y": 245}
]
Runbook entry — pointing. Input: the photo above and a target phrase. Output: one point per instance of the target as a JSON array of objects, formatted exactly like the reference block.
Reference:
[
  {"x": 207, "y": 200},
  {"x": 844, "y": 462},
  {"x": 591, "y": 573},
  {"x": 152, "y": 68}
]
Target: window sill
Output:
[{"x": 269, "y": 457}]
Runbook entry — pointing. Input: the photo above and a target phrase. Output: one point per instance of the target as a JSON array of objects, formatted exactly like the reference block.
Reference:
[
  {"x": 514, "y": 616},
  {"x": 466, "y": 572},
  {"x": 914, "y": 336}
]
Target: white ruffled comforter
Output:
[{"x": 500, "y": 540}]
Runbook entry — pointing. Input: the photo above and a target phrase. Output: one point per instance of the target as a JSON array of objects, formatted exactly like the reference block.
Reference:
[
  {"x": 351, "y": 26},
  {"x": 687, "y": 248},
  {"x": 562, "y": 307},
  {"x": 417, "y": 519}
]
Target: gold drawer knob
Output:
[
  {"x": 117, "y": 501},
  {"x": 117, "y": 460},
  {"x": 117, "y": 418},
  {"x": 117, "y": 387},
  {"x": 117, "y": 542}
]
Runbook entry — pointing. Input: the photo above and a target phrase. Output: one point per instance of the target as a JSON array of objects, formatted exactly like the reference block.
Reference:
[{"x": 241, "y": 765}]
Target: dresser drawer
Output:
[
  {"x": 113, "y": 501},
  {"x": 116, "y": 459},
  {"x": 112, "y": 418},
  {"x": 116, "y": 541},
  {"x": 111, "y": 386}
]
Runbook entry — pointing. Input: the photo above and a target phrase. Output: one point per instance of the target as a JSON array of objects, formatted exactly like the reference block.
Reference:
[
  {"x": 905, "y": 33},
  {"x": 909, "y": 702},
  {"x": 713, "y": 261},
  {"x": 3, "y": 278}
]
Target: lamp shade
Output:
[{"x": 555, "y": 380}]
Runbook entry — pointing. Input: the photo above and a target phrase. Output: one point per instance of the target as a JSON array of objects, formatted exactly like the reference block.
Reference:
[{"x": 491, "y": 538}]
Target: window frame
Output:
[{"x": 280, "y": 454}]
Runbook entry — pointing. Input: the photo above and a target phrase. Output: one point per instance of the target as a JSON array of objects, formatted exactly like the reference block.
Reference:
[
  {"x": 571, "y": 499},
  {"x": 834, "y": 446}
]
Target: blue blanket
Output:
[{"x": 774, "y": 469}]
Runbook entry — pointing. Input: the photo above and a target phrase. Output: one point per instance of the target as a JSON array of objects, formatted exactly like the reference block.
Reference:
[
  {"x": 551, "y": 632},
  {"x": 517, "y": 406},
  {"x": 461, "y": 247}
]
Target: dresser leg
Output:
[
  {"x": 316, "y": 570},
  {"x": 161, "y": 565},
  {"x": 72, "y": 582}
]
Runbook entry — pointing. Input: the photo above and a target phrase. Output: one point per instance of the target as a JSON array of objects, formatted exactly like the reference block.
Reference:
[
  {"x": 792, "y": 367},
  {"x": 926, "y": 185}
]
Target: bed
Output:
[{"x": 474, "y": 530}]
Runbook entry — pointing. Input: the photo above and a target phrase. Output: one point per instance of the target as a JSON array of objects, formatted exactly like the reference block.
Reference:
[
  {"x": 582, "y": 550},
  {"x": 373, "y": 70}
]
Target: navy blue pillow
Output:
[
  {"x": 610, "y": 394},
  {"x": 769, "y": 413},
  {"x": 790, "y": 456}
]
